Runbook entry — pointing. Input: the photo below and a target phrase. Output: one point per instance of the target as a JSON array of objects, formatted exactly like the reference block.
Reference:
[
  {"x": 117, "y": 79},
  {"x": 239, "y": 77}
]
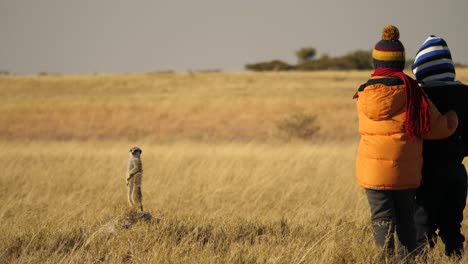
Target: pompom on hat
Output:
[
  {"x": 389, "y": 52},
  {"x": 433, "y": 61}
]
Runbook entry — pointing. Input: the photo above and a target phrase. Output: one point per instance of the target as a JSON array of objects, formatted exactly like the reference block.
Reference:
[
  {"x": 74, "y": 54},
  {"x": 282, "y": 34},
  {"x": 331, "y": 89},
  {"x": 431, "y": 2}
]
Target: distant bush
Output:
[
  {"x": 326, "y": 63},
  {"x": 274, "y": 65},
  {"x": 359, "y": 59},
  {"x": 44, "y": 73},
  {"x": 4, "y": 72},
  {"x": 355, "y": 60},
  {"x": 300, "y": 125}
]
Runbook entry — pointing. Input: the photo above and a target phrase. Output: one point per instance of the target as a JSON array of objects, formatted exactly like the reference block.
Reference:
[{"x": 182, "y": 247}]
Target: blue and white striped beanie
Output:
[{"x": 433, "y": 61}]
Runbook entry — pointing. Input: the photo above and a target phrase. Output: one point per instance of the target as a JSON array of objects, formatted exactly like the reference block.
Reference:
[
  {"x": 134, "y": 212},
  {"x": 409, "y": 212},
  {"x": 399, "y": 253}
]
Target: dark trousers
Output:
[
  {"x": 391, "y": 211},
  {"x": 441, "y": 200}
]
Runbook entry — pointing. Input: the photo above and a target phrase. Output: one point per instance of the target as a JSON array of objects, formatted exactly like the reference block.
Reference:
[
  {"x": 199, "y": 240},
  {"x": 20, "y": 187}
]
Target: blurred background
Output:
[{"x": 116, "y": 36}]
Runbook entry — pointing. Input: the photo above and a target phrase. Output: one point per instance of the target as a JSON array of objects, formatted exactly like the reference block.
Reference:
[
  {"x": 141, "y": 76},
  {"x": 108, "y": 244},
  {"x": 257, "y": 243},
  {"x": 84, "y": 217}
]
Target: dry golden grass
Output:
[
  {"x": 223, "y": 184},
  {"x": 205, "y": 106}
]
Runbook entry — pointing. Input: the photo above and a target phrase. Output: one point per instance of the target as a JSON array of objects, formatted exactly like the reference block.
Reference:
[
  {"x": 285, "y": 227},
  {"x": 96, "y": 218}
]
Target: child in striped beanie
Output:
[
  {"x": 433, "y": 61},
  {"x": 441, "y": 198}
]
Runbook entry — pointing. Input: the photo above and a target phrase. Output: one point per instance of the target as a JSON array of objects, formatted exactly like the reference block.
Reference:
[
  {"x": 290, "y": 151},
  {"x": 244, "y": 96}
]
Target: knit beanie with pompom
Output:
[
  {"x": 389, "y": 52},
  {"x": 433, "y": 61}
]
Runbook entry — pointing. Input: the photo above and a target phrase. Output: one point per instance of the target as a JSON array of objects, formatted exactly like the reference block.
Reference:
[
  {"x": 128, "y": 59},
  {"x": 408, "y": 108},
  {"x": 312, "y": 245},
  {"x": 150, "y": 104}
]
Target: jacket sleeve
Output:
[
  {"x": 463, "y": 98},
  {"x": 442, "y": 125}
]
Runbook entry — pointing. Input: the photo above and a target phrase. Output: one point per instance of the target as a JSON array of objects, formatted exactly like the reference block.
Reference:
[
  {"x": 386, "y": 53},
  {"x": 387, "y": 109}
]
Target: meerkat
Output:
[{"x": 134, "y": 178}]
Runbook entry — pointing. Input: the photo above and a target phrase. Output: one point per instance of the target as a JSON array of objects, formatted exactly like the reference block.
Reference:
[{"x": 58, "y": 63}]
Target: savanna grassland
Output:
[{"x": 238, "y": 168}]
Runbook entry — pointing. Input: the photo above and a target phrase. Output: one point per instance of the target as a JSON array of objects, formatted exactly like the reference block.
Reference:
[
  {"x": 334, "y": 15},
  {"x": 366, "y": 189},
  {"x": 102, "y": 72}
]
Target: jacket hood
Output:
[{"x": 381, "y": 102}]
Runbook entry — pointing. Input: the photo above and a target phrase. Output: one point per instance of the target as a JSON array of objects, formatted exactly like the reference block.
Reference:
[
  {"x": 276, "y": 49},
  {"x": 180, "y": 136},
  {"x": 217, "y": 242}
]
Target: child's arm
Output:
[{"x": 442, "y": 126}]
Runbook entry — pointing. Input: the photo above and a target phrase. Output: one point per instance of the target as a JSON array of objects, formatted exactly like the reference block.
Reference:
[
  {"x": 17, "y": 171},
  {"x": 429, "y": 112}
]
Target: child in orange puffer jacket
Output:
[{"x": 394, "y": 117}]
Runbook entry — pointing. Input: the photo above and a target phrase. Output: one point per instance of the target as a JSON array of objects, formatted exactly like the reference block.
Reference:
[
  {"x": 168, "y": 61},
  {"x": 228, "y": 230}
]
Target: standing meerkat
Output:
[{"x": 134, "y": 178}]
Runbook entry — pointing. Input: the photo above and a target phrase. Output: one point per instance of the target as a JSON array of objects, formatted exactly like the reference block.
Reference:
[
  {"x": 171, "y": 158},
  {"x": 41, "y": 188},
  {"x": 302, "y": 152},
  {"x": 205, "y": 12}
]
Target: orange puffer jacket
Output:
[{"x": 387, "y": 158}]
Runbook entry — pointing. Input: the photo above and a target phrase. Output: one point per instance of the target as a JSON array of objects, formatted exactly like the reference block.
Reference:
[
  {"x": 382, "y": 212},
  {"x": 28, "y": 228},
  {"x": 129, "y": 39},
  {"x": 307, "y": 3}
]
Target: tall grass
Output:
[
  {"x": 229, "y": 202},
  {"x": 223, "y": 185}
]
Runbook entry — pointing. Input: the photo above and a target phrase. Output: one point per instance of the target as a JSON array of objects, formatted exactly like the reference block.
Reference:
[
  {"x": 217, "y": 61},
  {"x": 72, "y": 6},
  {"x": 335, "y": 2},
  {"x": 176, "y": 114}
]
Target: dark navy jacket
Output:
[{"x": 448, "y": 96}]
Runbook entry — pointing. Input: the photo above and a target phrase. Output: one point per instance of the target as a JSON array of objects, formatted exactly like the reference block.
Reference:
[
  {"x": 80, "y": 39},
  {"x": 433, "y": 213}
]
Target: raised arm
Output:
[{"x": 442, "y": 125}]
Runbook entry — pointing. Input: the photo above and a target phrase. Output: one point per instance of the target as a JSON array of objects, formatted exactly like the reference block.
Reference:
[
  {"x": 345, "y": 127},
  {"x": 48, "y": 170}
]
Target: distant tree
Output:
[
  {"x": 274, "y": 65},
  {"x": 2, "y": 72},
  {"x": 356, "y": 60},
  {"x": 305, "y": 54}
]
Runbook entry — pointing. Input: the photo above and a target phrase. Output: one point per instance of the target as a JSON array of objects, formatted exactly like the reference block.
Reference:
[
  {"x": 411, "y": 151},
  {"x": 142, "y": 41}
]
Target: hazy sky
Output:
[{"x": 85, "y": 36}]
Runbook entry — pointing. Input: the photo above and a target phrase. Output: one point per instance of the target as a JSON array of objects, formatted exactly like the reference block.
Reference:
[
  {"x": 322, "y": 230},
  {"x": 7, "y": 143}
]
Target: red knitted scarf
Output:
[{"x": 417, "y": 106}]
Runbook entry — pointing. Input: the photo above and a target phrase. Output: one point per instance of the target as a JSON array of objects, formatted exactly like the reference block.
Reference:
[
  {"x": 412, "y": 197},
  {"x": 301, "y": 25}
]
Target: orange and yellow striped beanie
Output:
[{"x": 389, "y": 52}]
